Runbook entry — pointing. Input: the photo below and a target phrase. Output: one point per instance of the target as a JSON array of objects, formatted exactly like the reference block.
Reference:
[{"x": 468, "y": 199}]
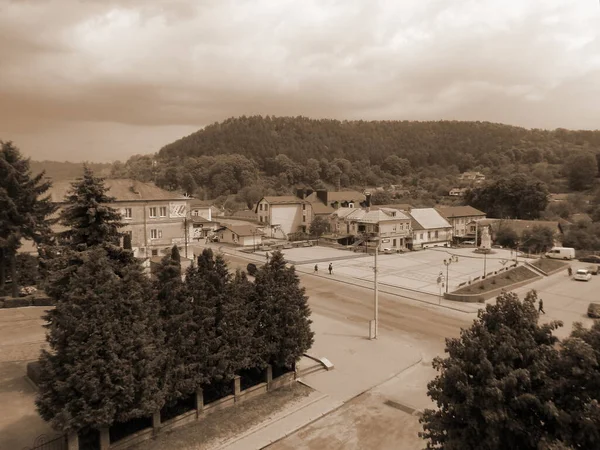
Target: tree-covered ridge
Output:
[{"x": 465, "y": 144}]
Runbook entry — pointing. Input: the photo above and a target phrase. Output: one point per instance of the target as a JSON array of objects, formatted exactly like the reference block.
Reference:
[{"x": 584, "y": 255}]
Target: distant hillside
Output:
[
  {"x": 464, "y": 144},
  {"x": 67, "y": 170}
]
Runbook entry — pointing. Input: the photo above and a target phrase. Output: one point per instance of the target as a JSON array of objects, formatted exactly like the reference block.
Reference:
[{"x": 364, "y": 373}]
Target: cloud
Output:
[{"x": 175, "y": 65}]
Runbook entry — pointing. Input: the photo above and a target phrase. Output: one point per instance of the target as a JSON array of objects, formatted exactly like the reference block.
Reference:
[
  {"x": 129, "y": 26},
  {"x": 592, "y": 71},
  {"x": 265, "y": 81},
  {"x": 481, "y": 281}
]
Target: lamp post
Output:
[
  {"x": 484, "y": 264},
  {"x": 447, "y": 263},
  {"x": 374, "y": 324}
]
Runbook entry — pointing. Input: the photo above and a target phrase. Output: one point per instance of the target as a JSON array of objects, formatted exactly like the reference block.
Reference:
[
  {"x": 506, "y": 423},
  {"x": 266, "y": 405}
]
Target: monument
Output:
[{"x": 486, "y": 239}]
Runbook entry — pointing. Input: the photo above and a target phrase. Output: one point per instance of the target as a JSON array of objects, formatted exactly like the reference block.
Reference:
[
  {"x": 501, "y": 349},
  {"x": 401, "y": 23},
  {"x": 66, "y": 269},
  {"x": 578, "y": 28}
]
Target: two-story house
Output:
[
  {"x": 384, "y": 223},
  {"x": 155, "y": 219},
  {"x": 286, "y": 214},
  {"x": 429, "y": 229},
  {"x": 460, "y": 217}
]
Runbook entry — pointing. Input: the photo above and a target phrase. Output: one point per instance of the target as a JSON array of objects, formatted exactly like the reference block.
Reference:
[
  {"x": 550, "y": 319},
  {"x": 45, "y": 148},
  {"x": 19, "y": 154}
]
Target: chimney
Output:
[
  {"x": 368, "y": 201},
  {"x": 322, "y": 195},
  {"x": 301, "y": 194},
  {"x": 308, "y": 192}
]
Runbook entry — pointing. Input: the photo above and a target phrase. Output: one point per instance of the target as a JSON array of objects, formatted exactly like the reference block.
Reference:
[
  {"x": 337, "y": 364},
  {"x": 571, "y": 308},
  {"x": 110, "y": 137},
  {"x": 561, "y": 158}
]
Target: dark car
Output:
[
  {"x": 594, "y": 310},
  {"x": 591, "y": 259},
  {"x": 251, "y": 269}
]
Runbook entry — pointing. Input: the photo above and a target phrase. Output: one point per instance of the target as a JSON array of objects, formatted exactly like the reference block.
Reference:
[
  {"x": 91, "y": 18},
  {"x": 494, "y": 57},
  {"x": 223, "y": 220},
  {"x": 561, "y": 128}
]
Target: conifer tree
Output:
[
  {"x": 176, "y": 313},
  {"x": 282, "y": 331},
  {"x": 24, "y": 213},
  {"x": 106, "y": 349},
  {"x": 89, "y": 218}
]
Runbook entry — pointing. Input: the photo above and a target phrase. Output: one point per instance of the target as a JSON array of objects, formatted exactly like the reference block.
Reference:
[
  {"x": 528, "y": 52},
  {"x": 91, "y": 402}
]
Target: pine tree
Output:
[
  {"x": 23, "y": 211},
  {"x": 106, "y": 352},
  {"x": 494, "y": 390},
  {"x": 89, "y": 219},
  {"x": 177, "y": 318},
  {"x": 282, "y": 323},
  {"x": 236, "y": 327}
]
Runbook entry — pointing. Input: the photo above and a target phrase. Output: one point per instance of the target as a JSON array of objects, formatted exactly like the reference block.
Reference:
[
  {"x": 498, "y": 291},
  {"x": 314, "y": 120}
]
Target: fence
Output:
[{"x": 187, "y": 410}]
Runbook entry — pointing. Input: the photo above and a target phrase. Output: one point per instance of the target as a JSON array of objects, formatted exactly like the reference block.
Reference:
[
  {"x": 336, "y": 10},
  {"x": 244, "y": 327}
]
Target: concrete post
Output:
[
  {"x": 269, "y": 376},
  {"x": 73, "y": 441},
  {"x": 156, "y": 422},
  {"x": 199, "y": 402},
  {"x": 104, "y": 439},
  {"x": 237, "y": 387}
]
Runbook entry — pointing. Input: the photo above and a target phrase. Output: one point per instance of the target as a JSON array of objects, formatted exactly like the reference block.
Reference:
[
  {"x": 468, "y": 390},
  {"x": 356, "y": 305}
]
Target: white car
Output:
[
  {"x": 583, "y": 275},
  {"x": 388, "y": 251}
]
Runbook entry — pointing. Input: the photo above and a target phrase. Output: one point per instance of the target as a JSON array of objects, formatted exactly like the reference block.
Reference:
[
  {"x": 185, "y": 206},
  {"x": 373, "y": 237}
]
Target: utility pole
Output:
[
  {"x": 484, "y": 264},
  {"x": 374, "y": 324},
  {"x": 185, "y": 234}
]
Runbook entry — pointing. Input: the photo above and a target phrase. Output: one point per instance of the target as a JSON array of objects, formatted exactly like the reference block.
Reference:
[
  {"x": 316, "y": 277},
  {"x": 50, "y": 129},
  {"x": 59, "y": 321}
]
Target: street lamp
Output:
[
  {"x": 374, "y": 324},
  {"x": 447, "y": 263}
]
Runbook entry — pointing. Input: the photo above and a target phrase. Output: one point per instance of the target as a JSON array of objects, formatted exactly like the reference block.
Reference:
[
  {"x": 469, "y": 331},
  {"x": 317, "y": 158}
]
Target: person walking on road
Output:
[
  {"x": 570, "y": 271},
  {"x": 267, "y": 256},
  {"x": 316, "y": 268},
  {"x": 330, "y": 269},
  {"x": 541, "y": 308}
]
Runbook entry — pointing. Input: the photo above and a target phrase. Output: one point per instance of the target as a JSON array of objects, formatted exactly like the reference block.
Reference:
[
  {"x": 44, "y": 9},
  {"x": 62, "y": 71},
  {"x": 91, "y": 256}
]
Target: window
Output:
[
  {"x": 394, "y": 228},
  {"x": 429, "y": 235},
  {"x": 436, "y": 234},
  {"x": 303, "y": 206},
  {"x": 153, "y": 211},
  {"x": 260, "y": 219},
  {"x": 154, "y": 252},
  {"x": 266, "y": 207},
  {"x": 155, "y": 234},
  {"x": 195, "y": 212},
  {"x": 163, "y": 211},
  {"x": 127, "y": 213},
  {"x": 260, "y": 207},
  {"x": 422, "y": 236}
]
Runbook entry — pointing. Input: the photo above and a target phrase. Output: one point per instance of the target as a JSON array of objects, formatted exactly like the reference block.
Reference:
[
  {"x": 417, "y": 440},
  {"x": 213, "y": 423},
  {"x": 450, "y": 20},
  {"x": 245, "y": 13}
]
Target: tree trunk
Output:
[{"x": 13, "y": 274}]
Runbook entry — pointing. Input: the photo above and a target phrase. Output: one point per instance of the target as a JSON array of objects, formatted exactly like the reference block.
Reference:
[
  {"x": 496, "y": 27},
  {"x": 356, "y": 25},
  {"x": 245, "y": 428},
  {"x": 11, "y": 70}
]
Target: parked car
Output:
[
  {"x": 594, "y": 310},
  {"x": 593, "y": 269},
  {"x": 591, "y": 259},
  {"x": 469, "y": 242},
  {"x": 583, "y": 275},
  {"x": 388, "y": 251}
]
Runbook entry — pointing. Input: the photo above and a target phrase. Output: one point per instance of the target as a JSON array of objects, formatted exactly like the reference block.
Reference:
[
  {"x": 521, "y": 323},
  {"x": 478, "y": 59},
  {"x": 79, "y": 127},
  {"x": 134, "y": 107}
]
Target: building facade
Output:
[
  {"x": 429, "y": 229},
  {"x": 242, "y": 235},
  {"x": 461, "y": 219},
  {"x": 155, "y": 219}
]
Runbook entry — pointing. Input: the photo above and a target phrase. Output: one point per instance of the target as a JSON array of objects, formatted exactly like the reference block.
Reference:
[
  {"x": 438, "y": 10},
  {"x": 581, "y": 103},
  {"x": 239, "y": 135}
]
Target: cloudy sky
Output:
[{"x": 101, "y": 80}]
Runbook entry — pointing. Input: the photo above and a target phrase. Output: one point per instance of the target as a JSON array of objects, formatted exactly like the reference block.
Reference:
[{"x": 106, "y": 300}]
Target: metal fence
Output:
[{"x": 45, "y": 442}]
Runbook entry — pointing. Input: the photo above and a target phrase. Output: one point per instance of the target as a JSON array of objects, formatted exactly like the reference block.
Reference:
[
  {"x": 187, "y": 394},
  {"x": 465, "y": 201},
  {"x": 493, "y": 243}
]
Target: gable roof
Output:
[
  {"x": 428, "y": 219},
  {"x": 124, "y": 190},
  {"x": 242, "y": 230},
  {"x": 398, "y": 206},
  {"x": 383, "y": 215},
  {"x": 320, "y": 208},
  {"x": 458, "y": 211},
  {"x": 282, "y": 199}
]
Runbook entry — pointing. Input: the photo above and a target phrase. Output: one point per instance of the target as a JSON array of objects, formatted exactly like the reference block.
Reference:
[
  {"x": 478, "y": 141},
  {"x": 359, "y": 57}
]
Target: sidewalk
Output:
[{"x": 360, "y": 365}]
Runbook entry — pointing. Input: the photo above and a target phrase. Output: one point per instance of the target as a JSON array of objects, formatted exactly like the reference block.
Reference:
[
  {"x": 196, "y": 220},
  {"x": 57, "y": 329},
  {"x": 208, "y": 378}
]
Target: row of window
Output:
[
  {"x": 260, "y": 207},
  {"x": 154, "y": 212},
  {"x": 155, "y": 233}
]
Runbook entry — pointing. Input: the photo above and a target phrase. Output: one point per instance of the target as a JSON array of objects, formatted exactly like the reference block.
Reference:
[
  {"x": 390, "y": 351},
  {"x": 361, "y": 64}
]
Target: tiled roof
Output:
[
  {"x": 320, "y": 208},
  {"x": 382, "y": 216},
  {"x": 122, "y": 189},
  {"x": 428, "y": 219},
  {"x": 246, "y": 214},
  {"x": 243, "y": 230},
  {"x": 458, "y": 211},
  {"x": 339, "y": 196},
  {"x": 282, "y": 199},
  {"x": 399, "y": 206}
]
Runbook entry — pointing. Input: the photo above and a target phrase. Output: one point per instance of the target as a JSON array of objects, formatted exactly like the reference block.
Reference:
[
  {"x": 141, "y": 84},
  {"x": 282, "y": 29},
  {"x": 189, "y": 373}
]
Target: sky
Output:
[{"x": 101, "y": 80}]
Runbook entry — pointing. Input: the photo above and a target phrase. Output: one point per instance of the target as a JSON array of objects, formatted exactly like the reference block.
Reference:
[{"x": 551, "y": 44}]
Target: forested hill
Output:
[
  {"x": 67, "y": 170},
  {"x": 464, "y": 144}
]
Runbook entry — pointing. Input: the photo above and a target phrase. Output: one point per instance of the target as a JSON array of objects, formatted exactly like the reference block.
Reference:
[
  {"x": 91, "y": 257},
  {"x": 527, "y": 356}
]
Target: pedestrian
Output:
[
  {"x": 570, "y": 270},
  {"x": 330, "y": 269},
  {"x": 267, "y": 256},
  {"x": 541, "y": 308},
  {"x": 316, "y": 268}
]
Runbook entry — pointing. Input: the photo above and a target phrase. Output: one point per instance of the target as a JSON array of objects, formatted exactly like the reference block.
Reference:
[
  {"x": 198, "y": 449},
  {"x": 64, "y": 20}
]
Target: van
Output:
[{"x": 561, "y": 253}]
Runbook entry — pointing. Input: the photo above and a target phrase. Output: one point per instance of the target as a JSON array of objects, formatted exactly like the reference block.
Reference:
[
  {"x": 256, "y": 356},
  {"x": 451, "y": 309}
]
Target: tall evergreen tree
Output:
[
  {"x": 89, "y": 218},
  {"x": 106, "y": 349},
  {"x": 493, "y": 390},
  {"x": 283, "y": 331},
  {"x": 24, "y": 213},
  {"x": 181, "y": 375}
]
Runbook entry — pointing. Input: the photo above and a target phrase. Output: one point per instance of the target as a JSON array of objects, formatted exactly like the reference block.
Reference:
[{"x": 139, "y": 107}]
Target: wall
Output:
[
  {"x": 289, "y": 217},
  {"x": 401, "y": 233},
  {"x": 444, "y": 237}
]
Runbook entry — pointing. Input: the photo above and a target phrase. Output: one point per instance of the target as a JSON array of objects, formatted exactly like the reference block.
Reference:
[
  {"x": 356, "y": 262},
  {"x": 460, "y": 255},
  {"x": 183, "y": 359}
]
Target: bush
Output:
[
  {"x": 178, "y": 408},
  {"x": 252, "y": 269},
  {"x": 121, "y": 430}
]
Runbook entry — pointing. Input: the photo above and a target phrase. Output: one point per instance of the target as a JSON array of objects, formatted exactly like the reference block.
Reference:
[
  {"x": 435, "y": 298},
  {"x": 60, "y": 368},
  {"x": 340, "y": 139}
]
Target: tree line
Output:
[
  {"x": 509, "y": 383},
  {"x": 123, "y": 346}
]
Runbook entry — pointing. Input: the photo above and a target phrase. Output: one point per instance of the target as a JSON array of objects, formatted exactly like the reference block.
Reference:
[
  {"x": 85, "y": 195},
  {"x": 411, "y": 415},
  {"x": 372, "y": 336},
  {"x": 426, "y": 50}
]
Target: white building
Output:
[
  {"x": 243, "y": 235},
  {"x": 429, "y": 229}
]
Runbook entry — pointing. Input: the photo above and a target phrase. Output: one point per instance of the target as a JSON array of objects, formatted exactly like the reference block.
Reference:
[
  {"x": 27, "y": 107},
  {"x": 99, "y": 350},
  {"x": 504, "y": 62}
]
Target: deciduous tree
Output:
[
  {"x": 319, "y": 226},
  {"x": 581, "y": 169},
  {"x": 493, "y": 389}
]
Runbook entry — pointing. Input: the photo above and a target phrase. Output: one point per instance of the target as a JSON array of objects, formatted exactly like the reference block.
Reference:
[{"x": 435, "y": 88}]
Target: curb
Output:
[
  {"x": 271, "y": 422},
  {"x": 344, "y": 403}
]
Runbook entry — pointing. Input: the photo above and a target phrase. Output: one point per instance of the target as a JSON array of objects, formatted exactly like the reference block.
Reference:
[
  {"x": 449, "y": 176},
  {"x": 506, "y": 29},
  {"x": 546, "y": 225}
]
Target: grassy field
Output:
[
  {"x": 504, "y": 279},
  {"x": 548, "y": 265}
]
